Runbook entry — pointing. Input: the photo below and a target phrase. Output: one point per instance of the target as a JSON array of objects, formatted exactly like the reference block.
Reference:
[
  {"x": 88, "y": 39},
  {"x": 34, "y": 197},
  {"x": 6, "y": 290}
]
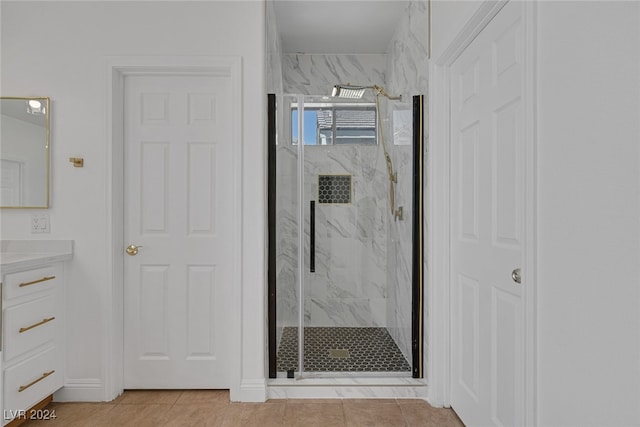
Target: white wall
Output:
[
  {"x": 588, "y": 229},
  {"x": 588, "y": 163},
  {"x": 60, "y": 49},
  {"x": 448, "y": 18}
]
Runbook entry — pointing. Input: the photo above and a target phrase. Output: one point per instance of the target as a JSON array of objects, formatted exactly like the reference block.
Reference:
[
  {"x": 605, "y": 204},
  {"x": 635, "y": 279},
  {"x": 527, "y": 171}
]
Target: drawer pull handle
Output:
[
  {"x": 35, "y": 325},
  {"x": 44, "y": 279},
  {"x": 45, "y": 375}
]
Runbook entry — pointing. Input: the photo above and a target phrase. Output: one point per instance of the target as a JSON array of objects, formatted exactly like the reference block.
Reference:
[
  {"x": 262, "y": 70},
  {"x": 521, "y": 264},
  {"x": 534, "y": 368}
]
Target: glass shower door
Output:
[
  {"x": 343, "y": 265},
  {"x": 286, "y": 238},
  {"x": 346, "y": 242}
]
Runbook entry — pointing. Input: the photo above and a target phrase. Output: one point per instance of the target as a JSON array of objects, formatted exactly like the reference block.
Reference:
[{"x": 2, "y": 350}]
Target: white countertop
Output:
[{"x": 21, "y": 254}]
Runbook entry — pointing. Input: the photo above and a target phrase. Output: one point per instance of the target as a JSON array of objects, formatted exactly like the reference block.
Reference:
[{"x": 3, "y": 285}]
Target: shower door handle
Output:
[{"x": 312, "y": 236}]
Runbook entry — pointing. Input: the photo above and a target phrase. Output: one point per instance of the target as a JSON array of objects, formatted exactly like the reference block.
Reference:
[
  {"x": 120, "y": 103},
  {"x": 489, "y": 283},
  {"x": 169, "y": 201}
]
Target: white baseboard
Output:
[
  {"x": 85, "y": 390},
  {"x": 251, "y": 390}
]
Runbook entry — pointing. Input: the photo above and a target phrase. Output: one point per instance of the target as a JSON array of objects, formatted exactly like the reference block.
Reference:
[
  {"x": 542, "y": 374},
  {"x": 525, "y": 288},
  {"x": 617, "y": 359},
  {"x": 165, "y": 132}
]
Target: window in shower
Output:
[{"x": 336, "y": 124}]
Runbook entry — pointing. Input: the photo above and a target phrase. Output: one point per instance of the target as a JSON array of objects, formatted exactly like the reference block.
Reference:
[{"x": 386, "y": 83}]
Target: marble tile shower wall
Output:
[
  {"x": 274, "y": 52},
  {"x": 349, "y": 286},
  {"x": 316, "y": 74},
  {"x": 286, "y": 234},
  {"x": 407, "y": 71}
]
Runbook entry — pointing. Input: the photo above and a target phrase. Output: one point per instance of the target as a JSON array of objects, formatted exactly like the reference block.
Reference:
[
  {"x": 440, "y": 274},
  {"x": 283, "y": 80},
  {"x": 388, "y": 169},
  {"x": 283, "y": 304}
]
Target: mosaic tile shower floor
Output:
[{"x": 369, "y": 350}]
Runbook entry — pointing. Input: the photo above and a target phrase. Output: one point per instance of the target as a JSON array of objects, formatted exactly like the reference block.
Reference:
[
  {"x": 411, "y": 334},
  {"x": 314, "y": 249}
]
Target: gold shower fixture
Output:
[{"x": 357, "y": 92}]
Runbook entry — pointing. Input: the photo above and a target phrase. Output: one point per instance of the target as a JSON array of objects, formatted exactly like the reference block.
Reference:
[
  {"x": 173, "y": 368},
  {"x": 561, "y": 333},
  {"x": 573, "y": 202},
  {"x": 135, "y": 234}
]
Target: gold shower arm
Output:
[{"x": 380, "y": 91}]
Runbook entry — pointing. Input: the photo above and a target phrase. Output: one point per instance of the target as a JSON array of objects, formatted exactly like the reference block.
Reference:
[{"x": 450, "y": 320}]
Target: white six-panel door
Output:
[
  {"x": 177, "y": 286},
  {"x": 487, "y": 371}
]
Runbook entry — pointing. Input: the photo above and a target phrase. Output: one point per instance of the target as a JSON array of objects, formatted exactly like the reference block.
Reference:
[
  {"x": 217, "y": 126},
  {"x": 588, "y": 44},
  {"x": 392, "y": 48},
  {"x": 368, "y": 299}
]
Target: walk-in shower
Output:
[{"x": 345, "y": 271}]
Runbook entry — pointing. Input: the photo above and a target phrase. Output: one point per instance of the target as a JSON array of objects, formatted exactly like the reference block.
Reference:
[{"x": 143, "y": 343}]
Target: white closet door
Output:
[{"x": 487, "y": 238}]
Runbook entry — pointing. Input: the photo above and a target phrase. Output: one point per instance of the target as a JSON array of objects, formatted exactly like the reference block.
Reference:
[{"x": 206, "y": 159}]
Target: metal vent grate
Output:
[{"x": 334, "y": 189}]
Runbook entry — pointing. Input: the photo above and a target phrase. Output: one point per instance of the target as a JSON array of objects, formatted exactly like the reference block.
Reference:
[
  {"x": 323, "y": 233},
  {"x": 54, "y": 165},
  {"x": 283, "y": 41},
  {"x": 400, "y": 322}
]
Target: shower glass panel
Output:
[
  {"x": 287, "y": 248},
  {"x": 344, "y": 262}
]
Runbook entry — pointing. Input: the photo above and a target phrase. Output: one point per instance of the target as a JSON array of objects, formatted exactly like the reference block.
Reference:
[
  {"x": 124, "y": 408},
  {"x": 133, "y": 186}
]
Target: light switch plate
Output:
[{"x": 40, "y": 223}]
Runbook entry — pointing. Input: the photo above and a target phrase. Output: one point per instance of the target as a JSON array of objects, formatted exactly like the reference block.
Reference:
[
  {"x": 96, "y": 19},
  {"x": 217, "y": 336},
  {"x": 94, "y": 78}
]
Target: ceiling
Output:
[{"x": 337, "y": 26}]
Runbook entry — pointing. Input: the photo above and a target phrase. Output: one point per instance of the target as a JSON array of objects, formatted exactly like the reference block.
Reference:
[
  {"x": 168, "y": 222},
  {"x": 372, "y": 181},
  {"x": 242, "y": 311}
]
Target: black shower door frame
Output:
[{"x": 417, "y": 300}]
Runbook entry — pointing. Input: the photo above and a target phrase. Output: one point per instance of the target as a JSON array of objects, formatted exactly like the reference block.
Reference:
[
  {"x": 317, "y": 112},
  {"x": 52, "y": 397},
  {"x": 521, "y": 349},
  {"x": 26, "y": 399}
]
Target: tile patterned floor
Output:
[
  {"x": 194, "y": 408},
  {"x": 370, "y": 350}
]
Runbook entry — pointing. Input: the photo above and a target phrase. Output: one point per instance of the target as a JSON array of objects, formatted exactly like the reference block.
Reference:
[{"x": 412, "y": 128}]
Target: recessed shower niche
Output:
[
  {"x": 345, "y": 270},
  {"x": 334, "y": 189}
]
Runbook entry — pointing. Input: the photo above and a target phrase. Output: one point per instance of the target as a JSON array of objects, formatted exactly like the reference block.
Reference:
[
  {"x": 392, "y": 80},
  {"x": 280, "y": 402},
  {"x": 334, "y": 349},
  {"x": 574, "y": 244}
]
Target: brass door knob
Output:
[{"x": 132, "y": 250}]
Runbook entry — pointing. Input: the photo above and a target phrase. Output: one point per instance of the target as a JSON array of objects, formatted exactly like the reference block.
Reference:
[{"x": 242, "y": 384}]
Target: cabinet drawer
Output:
[
  {"x": 30, "y": 281},
  {"x": 27, "y": 383},
  {"x": 29, "y": 325}
]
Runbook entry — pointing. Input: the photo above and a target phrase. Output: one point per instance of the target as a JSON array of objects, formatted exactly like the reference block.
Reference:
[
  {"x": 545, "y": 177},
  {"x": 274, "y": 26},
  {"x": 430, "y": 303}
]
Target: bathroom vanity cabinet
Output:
[{"x": 33, "y": 345}]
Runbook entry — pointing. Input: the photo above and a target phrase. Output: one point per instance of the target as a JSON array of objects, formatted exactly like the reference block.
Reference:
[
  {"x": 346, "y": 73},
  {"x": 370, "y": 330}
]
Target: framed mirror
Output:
[{"x": 24, "y": 152}]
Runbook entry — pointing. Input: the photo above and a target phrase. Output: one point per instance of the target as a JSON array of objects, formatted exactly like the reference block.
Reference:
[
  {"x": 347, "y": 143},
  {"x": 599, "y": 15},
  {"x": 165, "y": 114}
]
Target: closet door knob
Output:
[{"x": 515, "y": 275}]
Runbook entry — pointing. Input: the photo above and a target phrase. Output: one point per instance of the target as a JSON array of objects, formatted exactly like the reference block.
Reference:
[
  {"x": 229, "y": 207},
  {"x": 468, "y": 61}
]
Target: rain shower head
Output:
[
  {"x": 356, "y": 92},
  {"x": 346, "y": 91}
]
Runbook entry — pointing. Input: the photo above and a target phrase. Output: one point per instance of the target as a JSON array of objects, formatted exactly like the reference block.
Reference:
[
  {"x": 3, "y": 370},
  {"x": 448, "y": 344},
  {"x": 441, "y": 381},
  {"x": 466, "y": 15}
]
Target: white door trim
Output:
[
  {"x": 117, "y": 69},
  {"x": 438, "y": 212}
]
